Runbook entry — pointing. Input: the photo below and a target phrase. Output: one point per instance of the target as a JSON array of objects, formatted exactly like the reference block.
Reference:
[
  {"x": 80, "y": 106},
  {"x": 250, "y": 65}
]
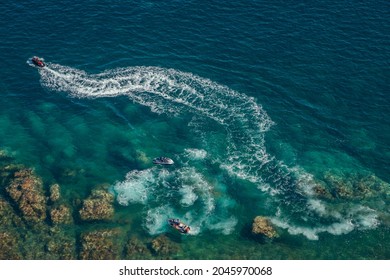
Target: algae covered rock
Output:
[
  {"x": 137, "y": 250},
  {"x": 7, "y": 215},
  {"x": 26, "y": 191},
  {"x": 356, "y": 186},
  {"x": 262, "y": 225},
  {"x": 55, "y": 193},
  {"x": 322, "y": 192},
  {"x": 60, "y": 215},
  {"x": 61, "y": 247},
  {"x": 164, "y": 247},
  {"x": 98, "y": 206},
  {"x": 100, "y": 245},
  {"x": 9, "y": 246},
  {"x": 371, "y": 185}
]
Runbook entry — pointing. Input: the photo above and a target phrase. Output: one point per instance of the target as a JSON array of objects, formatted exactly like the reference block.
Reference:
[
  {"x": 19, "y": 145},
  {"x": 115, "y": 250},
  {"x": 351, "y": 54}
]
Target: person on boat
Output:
[{"x": 179, "y": 226}]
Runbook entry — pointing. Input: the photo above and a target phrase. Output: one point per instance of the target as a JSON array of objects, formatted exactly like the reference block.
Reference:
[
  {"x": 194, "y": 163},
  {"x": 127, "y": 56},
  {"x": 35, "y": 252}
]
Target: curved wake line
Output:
[
  {"x": 174, "y": 92},
  {"x": 142, "y": 83},
  {"x": 178, "y": 93}
]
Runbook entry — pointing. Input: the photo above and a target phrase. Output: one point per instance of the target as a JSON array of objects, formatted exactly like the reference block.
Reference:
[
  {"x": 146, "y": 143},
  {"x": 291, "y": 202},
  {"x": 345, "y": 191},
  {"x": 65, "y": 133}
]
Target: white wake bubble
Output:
[
  {"x": 188, "y": 195},
  {"x": 354, "y": 220},
  {"x": 195, "y": 154},
  {"x": 180, "y": 193},
  {"x": 136, "y": 188},
  {"x": 156, "y": 219}
]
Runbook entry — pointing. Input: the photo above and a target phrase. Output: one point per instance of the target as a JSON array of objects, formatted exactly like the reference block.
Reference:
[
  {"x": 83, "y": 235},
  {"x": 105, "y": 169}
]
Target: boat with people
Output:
[
  {"x": 179, "y": 226},
  {"x": 163, "y": 161},
  {"x": 38, "y": 61}
]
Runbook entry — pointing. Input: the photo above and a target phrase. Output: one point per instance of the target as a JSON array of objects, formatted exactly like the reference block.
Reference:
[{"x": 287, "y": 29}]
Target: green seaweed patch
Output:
[
  {"x": 355, "y": 186},
  {"x": 135, "y": 249},
  {"x": 9, "y": 246},
  {"x": 100, "y": 245},
  {"x": 60, "y": 246},
  {"x": 164, "y": 248},
  {"x": 8, "y": 218}
]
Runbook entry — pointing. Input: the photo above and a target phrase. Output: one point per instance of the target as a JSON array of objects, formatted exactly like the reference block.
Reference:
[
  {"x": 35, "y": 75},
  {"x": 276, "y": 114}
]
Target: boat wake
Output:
[{"x": 240, "y": 122}]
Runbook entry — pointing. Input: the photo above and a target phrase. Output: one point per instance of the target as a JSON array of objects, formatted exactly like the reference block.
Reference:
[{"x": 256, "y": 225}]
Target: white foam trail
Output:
[
  {"x": 182, "y": 193},
  {"x": 188, "y": 195},
  {"x": 337, "y": 216},
  {"x": 174, "y": 92},
  {"x": 244, "y": 122},
  {"x": 156, "y": 219},
  {"x": 195, "y": 154},
  {"x": 358, "y": 217},
  {"x": 135, "y": 189}
]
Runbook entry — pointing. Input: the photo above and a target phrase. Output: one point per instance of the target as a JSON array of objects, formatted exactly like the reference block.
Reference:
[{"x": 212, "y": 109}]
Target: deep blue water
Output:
[{"x": 257, "y": 102}]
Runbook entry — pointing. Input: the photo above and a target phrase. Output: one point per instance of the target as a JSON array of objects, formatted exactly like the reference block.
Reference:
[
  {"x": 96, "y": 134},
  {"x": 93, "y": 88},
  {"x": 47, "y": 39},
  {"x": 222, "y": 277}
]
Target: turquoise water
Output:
[{"x": 257, "y": 103}]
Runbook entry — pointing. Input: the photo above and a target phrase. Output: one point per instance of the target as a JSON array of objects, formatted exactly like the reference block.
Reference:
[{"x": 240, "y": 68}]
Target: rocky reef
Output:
[
  {"x": 26, "y": 191},
  {"x": 100, "y": 245},
  {"x": 60, "y": 215},
  {"x": 54, "y": 193},
  {"x": 60, "y": 247},
  {"x": 262, "y": 225},
  {"x": 9, "y": 246},
  {"x": 163, "y": 247},
  {"x": 356, "y": 186},
  {"x": 136, "y": 250},
  {"x": 8, "y": 218},
  {"x": 98, "y": 206}
]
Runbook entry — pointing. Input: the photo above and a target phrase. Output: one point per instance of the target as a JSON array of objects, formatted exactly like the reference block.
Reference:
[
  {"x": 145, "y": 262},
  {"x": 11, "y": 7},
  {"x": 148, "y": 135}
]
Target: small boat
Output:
[
  {"x": 179, "y": 226},
  {"x": 163, "y": 161},
  {"x": 38, "y": 61}
]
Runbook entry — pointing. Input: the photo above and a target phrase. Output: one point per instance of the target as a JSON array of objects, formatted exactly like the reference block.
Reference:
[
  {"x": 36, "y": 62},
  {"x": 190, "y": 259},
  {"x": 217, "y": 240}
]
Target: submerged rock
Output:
[
  {"x": 137, "y": 250},
  {"x": 100, "y": 245},
  {"x": 371, "y": 185},
  {"x": 262, "y": 225},
  {"x": 7, "y": 215},
  {"x": 61, "y": 247},
  {"x": 7, "y": 172},
  {"x": 72, "y": 174},
  {"x": 4, "y": 155},
  {"x": 26, "y": 191},
  {"x": 164, "y": 247},
  {"x": 322, "y": 192},
  {"x": 61, "y": 215},
  {"x": 55, "y": 193},
  {"x": 341, "y": 187},
  {"x": 356, "y": 186},
  {"x": 142, "y": 158},
  {"x": 9, "y": 246},
  {"x": 98, "y": 206}
]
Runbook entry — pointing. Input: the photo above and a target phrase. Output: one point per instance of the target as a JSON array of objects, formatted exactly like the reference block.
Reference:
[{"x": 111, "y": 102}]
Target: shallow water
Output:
[{"x": 257, "y": 103}]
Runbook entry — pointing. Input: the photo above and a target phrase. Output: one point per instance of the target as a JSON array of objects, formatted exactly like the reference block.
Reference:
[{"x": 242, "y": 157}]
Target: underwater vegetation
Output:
[{"x": 38, "y": 222}]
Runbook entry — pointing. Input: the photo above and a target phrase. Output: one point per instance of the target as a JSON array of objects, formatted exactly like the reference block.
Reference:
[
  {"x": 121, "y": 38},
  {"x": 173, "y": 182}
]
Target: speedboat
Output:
[
  {"x": 179, "y": 226},
  {"x": 38, "y": 61},
  {"x": 163, "y": 161}
]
